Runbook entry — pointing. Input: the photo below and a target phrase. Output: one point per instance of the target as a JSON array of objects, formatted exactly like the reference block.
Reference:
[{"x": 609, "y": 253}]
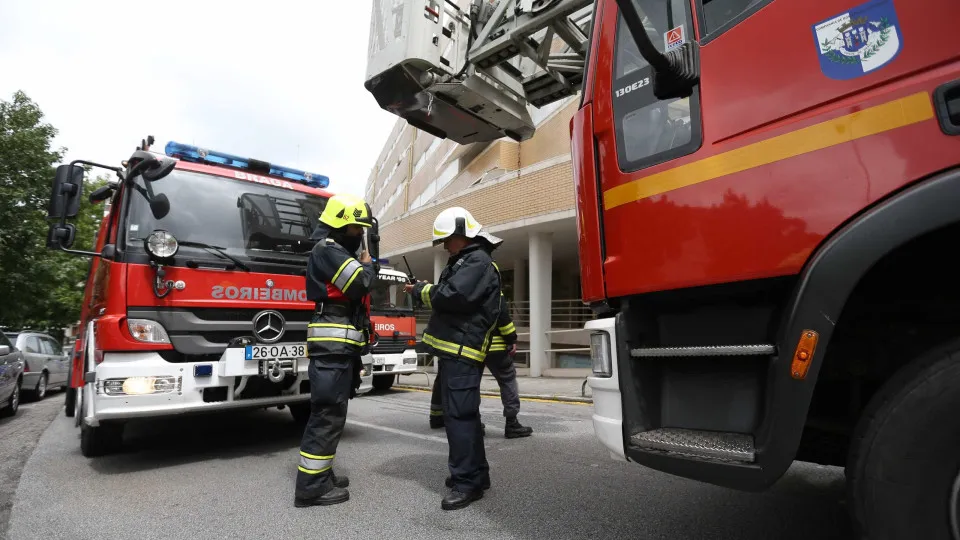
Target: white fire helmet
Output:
[{"x": 457, "y": 220}]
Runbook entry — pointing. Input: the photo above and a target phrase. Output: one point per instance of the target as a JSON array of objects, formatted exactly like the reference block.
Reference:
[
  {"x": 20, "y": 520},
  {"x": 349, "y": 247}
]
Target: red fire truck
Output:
[
  {"x": 765, "y": 219},
  {"x": 195, "y": 299},
  {"x": 767, "y": 195}
]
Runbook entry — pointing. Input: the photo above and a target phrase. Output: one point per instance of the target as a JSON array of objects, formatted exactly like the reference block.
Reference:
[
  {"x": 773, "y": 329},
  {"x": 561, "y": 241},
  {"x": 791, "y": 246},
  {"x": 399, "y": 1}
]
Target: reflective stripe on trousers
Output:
[
  {"x": 312, "y": 464},
  {"x": 345, "y": 275},
  {"x": 453, "y": 348},
  {"x": 341, "y": 333}
]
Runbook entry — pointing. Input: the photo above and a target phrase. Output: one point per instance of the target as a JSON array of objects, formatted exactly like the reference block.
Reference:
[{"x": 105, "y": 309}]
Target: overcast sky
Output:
[{"x": 280, "y": 81}]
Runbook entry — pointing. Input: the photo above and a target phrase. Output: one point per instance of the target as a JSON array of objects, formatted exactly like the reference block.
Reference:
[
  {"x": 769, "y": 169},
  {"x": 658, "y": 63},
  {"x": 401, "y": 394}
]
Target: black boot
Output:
[
  {"x": 334, "y": 496},
  {"x": 449, "y": 483},
  {"x": 341, "y": 481},
  {"x": 515, "y": 430},
  {"x": 456, "y": 500}
]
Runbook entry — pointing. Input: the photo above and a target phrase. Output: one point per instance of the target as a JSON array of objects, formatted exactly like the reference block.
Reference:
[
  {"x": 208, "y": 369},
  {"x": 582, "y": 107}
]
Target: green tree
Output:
[{"x": 38, "y": 287}]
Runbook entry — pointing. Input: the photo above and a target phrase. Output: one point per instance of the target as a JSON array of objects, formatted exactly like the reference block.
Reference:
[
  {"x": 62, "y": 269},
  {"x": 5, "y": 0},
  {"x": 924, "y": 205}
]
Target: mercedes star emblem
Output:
[{"x": 268, "y": 326}]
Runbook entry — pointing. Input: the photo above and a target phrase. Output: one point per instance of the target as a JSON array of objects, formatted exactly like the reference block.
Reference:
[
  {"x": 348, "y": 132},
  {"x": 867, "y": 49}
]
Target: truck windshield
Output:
[
  {"x": 246, "y": 219},
  {"x": 387, "y": 296}
]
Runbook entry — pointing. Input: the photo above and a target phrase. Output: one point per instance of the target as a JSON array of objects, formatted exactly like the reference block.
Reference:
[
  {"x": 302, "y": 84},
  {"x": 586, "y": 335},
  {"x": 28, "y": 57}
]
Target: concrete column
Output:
[
  {"x": 439, "y": 261},
  {"x": 541, "y": 286},
  {"x": 519, "y": 287},
  {"x": 519, "y": 280}
]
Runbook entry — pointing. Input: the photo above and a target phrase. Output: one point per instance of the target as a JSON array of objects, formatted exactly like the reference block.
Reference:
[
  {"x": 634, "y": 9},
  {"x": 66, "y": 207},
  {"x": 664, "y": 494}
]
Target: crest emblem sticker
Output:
[{"x": 861, "y": 40}]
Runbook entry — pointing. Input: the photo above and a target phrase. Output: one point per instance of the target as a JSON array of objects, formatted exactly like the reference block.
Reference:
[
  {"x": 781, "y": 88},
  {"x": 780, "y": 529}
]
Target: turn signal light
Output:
[
  {"x": 411, "y": 343},
  {"x": 803, "y": 356}
]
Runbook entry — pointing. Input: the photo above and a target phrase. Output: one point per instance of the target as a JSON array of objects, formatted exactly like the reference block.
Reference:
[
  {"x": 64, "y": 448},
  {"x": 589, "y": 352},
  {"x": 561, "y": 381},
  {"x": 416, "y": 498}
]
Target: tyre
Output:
[
  {"x": 40, "y": 391},
  {"x": 69, "y": 402},
  {"x": 300, "y": 412},
  {"x": 101, "y": 440},
  {"x": 381, "y": 382},
  {"x": 12, "y": 405},
  {"x": 903, "y": 471}
]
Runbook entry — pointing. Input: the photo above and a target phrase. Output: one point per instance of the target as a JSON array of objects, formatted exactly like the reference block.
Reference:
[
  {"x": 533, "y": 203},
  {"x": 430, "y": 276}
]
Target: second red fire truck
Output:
[{"x": 195, "y": 299}]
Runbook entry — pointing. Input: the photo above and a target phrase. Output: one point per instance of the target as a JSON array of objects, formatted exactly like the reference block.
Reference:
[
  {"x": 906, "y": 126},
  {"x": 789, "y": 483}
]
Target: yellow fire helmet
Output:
[{"x": 343, "y": 210}]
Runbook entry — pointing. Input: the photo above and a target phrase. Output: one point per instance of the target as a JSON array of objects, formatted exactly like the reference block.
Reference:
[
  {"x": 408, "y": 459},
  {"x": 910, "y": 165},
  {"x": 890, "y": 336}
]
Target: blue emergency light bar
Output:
[{"x": 196, "y": 154}]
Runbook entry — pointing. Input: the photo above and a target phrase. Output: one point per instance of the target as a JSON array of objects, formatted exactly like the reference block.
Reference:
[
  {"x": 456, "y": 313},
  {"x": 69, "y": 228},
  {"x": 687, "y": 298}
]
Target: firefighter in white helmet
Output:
[{"x": 465, "y": 306}]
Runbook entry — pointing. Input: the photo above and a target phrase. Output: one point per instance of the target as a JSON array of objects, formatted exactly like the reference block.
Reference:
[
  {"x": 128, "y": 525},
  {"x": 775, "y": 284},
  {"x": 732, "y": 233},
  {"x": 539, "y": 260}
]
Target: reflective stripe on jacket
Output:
[
  {"x": 465, "y": 305},
  {"x": 339, "y": 284}
]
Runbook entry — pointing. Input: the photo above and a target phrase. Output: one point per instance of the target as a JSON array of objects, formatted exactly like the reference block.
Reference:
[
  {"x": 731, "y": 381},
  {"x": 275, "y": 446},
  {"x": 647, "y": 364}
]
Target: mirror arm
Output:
[{"x": 78, "y": 252}]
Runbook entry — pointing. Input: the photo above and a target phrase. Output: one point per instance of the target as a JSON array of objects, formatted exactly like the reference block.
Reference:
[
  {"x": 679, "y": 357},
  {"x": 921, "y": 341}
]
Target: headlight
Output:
[
  {"x": 147, "y": 331},
  {"x": 600, "y": 354},
  {"x": 139, "y": 386},
  {"x": 161, "y": 244}
]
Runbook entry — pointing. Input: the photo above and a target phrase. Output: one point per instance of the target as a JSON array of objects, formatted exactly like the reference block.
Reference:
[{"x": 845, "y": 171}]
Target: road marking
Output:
[
  {"x": 497, "y": 397},
  {"x": 395, "y": 431}
]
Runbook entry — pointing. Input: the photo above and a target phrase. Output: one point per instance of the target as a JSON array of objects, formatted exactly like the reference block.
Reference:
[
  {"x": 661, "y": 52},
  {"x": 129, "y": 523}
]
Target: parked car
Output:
[
  {"x": 11, "y": 375},
  {"x": 46, "y": 364}
]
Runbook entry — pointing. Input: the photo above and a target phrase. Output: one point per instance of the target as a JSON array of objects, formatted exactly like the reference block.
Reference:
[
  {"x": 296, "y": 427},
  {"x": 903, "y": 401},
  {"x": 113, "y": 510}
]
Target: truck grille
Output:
[
  {"x": 390, "y": 346},
  {"x": 205, "y": 332}
]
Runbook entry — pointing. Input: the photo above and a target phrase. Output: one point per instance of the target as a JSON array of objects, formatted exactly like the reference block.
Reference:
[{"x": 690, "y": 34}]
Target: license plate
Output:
[
  {"x": 379, "y": 360},
  {"x": 277, "y": 351}
]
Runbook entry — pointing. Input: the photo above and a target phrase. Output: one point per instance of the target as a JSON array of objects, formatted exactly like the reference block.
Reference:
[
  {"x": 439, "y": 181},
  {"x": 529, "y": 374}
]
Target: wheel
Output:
[
  {"x": 903, "y": 471},
  {"x": 300, "y": 412},
  {"x": 13, "y": 403},
  {"x": 100, "y": 440},
  {"x": 70, "y": 402},
  {"x": 381, "y": 382},
  {"x": 40, "y": 391}
]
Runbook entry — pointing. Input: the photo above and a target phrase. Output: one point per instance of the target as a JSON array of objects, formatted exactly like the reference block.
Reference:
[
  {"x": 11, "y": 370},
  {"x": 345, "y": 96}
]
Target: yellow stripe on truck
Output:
[{"x": 898, "y": 113}]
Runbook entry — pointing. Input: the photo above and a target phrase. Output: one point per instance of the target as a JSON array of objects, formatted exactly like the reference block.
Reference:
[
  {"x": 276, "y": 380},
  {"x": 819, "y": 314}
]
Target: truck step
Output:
[
  {"x": 695, "y": 443},
  {"x": 708, "y": 350}
]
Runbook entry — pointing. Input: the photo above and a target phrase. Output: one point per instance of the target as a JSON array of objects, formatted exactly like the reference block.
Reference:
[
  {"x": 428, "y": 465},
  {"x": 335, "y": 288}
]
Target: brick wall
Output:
[{"x": 541, "y": 192}]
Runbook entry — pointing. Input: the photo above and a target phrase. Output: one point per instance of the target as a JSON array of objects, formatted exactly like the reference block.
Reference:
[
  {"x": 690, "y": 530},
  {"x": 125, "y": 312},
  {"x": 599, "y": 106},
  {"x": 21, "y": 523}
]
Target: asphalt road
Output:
[{"x": 233, "y": 476}]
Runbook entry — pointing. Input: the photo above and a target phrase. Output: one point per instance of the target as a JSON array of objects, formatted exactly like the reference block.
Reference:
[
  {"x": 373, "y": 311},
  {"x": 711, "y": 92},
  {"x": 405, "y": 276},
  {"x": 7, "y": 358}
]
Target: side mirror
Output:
[
  {"x": 159, "y": 205},
  {"x": 101, "y": 194},
  {"x": 66, "y": 192},
  {"x": 61, "y": 235},
  {"x": 4, "y": 350},
  {"x": 109, "y": 252},
  {"x": 159, "y": 169}
]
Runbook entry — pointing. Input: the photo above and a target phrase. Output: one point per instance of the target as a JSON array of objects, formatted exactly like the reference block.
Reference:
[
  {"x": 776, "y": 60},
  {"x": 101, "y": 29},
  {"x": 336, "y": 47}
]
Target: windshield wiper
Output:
[{"x": 217, "y": 250}]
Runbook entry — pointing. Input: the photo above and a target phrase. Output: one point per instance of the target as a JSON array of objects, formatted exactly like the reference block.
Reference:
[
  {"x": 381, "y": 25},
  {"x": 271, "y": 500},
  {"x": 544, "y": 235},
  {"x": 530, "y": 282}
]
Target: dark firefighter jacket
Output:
[
  {"x": 338, "y": 284},
  {"x": 505, "y": 334},
  {"x": 465, "y": 305}
]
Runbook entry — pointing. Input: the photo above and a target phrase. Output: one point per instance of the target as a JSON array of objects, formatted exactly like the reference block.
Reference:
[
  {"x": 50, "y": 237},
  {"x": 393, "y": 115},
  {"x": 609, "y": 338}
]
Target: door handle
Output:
[{"x": 946, "y": 101}]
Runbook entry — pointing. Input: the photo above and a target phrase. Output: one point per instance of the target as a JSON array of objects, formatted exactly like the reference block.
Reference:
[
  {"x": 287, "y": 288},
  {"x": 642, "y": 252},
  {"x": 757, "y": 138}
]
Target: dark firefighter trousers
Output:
[
  {"x": 459, "y": 391},
  {"x": 502, "y": 368},
  {"x": 330, "y": 383}
]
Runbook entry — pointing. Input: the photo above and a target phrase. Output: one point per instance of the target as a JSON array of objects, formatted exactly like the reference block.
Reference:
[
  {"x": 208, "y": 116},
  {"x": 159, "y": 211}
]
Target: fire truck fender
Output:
[{"x": 827, "y": 280}]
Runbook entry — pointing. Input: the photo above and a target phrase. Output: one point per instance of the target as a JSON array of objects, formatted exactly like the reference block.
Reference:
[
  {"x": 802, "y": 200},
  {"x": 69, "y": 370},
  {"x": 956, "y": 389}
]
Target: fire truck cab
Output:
[
  {"x": 195, "y": 299},
  {"x": 394, "y": 322}
]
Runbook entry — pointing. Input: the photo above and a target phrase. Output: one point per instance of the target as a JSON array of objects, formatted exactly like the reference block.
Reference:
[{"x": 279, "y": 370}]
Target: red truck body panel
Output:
[{"x": 787, "y": 155}]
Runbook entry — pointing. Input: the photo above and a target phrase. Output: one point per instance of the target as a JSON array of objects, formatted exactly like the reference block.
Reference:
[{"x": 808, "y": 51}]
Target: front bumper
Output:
[
  {"x": 186, "y": 394},
  {"x": 607, "y": 402},
  {"x": 389, "y": 364}
]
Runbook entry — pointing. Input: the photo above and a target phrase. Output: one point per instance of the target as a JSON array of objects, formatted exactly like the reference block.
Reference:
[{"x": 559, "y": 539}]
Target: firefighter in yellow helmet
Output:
[{"x": 338, "y": 282}]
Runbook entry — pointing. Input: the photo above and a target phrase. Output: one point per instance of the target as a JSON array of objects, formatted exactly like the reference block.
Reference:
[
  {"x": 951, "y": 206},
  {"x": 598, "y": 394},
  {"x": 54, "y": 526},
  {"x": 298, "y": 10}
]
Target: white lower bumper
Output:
[
  {"x": 607, "y": 403},
  {"x": 389, "y": 364},
  {"x": 187, "y": 396}
]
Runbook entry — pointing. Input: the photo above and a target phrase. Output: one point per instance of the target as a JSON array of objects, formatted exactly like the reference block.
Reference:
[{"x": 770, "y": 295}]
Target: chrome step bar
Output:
[
  {"x": 707, "y": 350},
  {"x": 701, "y": 444}
]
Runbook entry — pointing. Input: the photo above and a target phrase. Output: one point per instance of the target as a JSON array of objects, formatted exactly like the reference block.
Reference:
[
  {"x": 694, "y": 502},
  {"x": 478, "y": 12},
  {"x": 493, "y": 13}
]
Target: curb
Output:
[{"x": 547, "y": 397}]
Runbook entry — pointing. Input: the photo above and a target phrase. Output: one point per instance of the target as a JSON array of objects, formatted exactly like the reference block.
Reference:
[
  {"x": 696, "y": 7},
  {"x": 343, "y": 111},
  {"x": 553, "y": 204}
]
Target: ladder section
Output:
[{"x": 468, "y": 70}]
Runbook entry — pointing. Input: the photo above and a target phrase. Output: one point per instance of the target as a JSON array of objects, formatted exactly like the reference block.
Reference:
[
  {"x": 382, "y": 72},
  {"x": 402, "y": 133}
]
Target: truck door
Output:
[{"x": 638, "y": 135}]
